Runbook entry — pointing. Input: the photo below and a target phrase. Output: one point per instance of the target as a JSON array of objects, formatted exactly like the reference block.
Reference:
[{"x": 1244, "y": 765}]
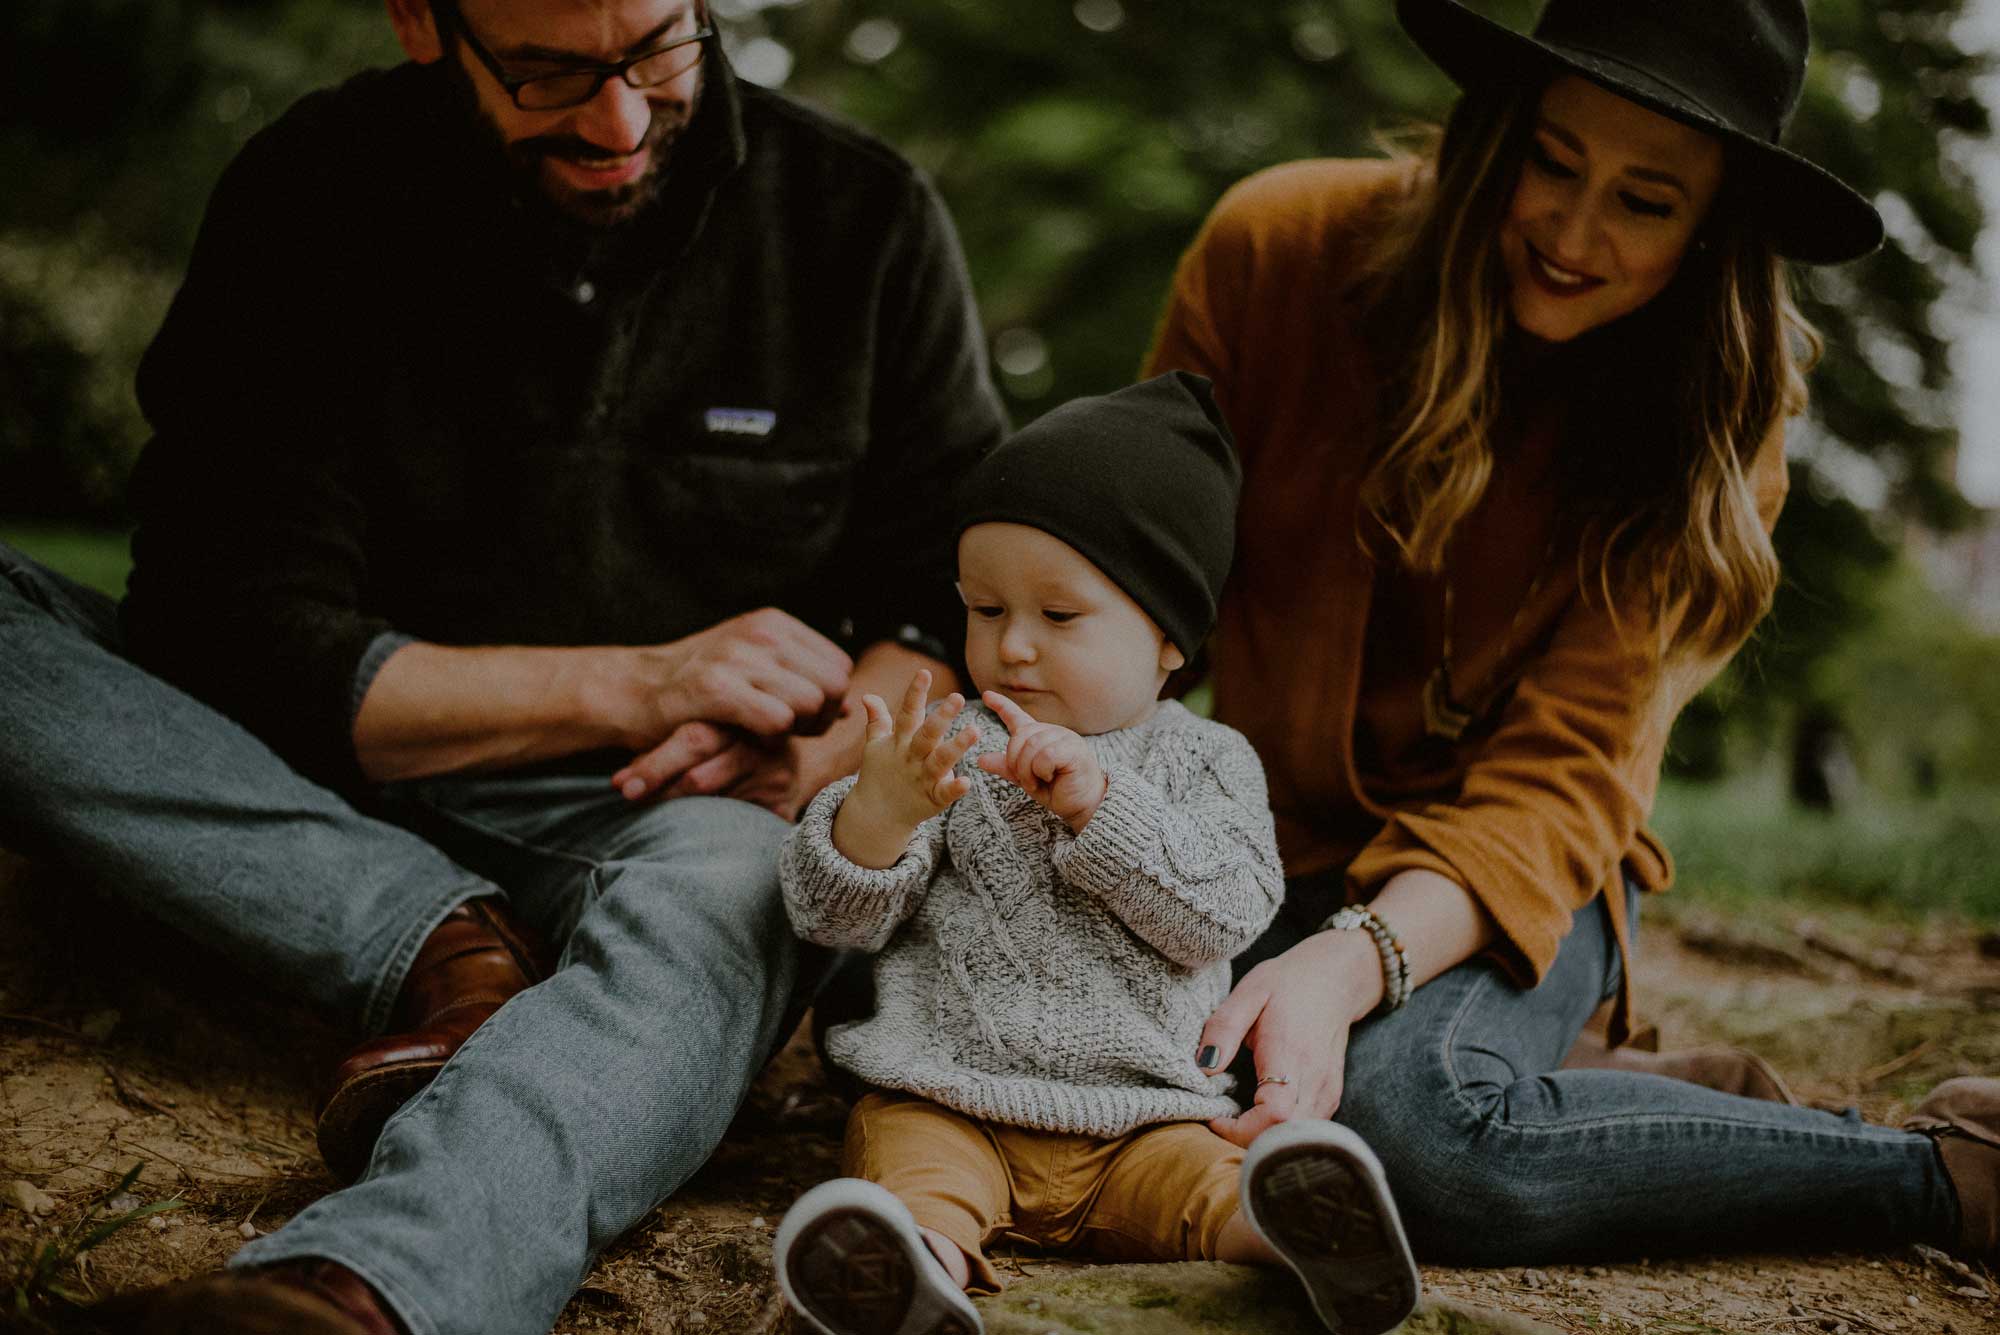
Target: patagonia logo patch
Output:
[{"x": 740, "y": 421}]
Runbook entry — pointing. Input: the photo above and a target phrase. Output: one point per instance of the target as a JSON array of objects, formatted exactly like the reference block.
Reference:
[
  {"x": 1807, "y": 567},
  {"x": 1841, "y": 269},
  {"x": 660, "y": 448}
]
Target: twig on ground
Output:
[
  {"x": 132, "y": 1096},
  {"x": 1895, "y": 1064},
  {"x": 1842, "y": 1314}
]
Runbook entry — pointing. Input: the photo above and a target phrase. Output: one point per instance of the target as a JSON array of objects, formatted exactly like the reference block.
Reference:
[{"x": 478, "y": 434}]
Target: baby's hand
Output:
[
  {"x": 1051, "y": 764},
  {"x": 906, "y": 765}
]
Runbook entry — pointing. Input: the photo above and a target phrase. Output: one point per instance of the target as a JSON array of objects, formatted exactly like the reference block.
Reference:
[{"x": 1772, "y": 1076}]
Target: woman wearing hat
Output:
[{"x": 1512, "y": 419}]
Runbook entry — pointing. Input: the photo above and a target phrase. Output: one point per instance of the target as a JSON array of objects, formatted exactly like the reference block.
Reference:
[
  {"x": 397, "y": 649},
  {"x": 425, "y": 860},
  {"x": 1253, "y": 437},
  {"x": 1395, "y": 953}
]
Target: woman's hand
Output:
[
  {"x": 1050, "y": 764},
  {"x": 1294, "y": 1011}
]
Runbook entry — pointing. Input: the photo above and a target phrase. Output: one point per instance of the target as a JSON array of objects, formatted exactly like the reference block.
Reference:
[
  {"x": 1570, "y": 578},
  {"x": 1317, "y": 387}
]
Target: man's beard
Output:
[{"x": 599, "y": 209}]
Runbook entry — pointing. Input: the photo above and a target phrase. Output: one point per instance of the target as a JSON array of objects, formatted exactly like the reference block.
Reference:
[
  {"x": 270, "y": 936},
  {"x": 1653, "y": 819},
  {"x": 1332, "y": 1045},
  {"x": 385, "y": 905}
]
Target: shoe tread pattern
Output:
[
  {"x": 1317, "y": 1208},
  {"x": 852, "y": 1273}
]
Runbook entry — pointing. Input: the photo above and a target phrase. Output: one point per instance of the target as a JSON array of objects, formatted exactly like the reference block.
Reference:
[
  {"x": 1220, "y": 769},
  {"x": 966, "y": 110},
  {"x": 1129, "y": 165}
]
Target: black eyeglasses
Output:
[{"x": 576, "y": 85}]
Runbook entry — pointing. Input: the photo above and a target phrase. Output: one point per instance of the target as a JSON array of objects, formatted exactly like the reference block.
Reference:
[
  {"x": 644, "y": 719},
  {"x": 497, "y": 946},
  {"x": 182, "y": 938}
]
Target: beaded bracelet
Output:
[{"x": 1395, "y": 965}]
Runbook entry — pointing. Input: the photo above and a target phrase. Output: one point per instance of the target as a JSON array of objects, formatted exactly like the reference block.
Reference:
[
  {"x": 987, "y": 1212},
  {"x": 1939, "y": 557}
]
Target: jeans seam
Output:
[
  {"x": 1451, "y": 1050},
  {"x": 1493, "y": 1123},
  {"x": 465, "y": 822}
]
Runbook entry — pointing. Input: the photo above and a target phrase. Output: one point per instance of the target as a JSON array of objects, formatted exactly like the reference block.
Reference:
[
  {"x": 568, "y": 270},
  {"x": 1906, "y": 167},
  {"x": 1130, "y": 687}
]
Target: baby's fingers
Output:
[
  {"x": 945, "y": 758},
  {"x": 910, "y": 713},
  {"x": 880, "y": 725},
  {"x": 1047, "y": 756},
  {"x": 1010, "y": 713},
  {"x": 936, "y": 725}
]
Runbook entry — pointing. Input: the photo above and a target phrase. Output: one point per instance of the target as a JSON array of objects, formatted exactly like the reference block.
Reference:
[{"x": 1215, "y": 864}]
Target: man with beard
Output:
[{"x": 549, "y": 436}]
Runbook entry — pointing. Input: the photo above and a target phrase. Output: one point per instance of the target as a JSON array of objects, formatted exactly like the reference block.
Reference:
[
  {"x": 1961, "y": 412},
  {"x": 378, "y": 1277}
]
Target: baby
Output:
[{"x": 1056, "y": 882}]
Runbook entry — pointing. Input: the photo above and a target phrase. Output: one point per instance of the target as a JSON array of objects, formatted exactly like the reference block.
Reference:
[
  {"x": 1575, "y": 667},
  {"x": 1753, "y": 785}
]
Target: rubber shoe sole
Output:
[
  {"x": 1317, "y": 1194},
  {"x": 851, "y": 1261}
]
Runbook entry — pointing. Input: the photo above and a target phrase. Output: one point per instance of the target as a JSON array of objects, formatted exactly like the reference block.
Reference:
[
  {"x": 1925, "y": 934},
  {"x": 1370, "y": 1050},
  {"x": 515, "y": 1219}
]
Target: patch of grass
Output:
[
  {"x": 41, "y": 1284},
  {"x": 97, "y": 557},
  {"x": 1741, "y": 841}
]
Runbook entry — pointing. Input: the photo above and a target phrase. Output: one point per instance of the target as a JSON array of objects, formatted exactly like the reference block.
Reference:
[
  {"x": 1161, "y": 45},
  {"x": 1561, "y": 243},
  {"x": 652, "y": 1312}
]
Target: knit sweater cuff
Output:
[
  {"x": 835, "y": 902},
  {"x": 1122, "y": 837}
]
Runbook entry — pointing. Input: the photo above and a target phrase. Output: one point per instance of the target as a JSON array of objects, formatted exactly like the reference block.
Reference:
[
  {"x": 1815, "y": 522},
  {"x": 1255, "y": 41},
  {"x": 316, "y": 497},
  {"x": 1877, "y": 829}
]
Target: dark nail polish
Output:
[{"x": 1206, "y": 1061}]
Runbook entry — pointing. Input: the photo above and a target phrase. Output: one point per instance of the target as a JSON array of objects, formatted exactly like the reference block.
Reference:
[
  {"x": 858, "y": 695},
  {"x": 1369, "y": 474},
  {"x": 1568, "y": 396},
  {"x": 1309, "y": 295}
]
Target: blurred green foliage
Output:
[
  {"x": 1740, "y": 842},
  {"x": 1079, "y": 143}
]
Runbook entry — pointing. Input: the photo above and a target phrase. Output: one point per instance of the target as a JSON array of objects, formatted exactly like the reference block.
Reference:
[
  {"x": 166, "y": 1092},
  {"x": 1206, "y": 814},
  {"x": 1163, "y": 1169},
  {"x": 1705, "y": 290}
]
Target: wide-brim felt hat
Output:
[{"x": 1733, "y": 68}]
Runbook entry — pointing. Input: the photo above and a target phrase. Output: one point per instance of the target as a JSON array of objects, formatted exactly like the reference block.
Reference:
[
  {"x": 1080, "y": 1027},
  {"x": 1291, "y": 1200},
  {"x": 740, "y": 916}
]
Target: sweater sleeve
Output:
[
  {"x": 834, "y": 902},
  {"x": 1197, "y": 879},
  {"x": 1557, "y": 794}
]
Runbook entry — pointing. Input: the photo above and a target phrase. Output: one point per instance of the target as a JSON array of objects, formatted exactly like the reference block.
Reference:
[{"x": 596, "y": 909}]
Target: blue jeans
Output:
[
  {"x": 1498, "y": 1157},
  {"x": 578, "y": 1107}
]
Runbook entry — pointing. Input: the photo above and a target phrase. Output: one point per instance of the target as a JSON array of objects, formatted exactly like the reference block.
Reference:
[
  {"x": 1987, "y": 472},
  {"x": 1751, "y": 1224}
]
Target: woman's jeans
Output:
[
  {"x": 1498, "y": 1157},
  {"x": 580, "y": 1105}
]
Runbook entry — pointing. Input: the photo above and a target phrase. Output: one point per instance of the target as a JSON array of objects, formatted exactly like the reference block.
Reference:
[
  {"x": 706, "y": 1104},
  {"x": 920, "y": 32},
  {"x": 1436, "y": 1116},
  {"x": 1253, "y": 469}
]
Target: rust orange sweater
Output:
[{"x": 1534, "y": 811}]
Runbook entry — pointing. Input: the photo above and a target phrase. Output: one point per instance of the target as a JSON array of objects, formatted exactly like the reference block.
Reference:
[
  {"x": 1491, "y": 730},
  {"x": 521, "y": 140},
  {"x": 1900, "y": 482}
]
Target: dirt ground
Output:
[{"x": 121, "y": 1044}]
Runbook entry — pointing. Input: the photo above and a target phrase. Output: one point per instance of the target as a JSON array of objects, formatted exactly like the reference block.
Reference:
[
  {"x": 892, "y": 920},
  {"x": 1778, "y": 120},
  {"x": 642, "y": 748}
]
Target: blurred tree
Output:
[{"x": 116, "y": 118}]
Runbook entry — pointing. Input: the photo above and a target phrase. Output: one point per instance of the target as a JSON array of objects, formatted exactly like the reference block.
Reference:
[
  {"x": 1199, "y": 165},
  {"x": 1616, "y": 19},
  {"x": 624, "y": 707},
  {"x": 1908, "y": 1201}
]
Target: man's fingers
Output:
[
  {"x": 784, "y": 638},
  {"x": 806, "y": 709},
  {"x": 684, "y": 747},
  {"x": 993, "y": 762},
  {"x": 832, "y": 709},
  {"x": 716, "y": 774}
]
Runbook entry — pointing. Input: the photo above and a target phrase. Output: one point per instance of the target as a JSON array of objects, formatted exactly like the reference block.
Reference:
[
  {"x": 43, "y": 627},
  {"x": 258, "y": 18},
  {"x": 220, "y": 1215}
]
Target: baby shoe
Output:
[
  {"x": 851, "y": 1261},
  {"x": 1316, "y": 1192}
]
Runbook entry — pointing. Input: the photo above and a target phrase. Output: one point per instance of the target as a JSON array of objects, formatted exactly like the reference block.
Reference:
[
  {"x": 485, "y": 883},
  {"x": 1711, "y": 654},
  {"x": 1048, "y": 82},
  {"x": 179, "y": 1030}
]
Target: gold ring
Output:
[{"x": 1264, "y": 1080}]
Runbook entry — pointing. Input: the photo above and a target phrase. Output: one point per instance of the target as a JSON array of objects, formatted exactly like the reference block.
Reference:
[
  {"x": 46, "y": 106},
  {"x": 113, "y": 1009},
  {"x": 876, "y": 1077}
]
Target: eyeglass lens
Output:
[{"x": 564, "y": 90}]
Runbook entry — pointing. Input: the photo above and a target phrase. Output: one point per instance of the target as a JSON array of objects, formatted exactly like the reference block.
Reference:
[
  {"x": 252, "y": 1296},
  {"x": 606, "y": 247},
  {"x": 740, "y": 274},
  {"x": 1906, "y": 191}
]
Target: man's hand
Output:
[
  {"x": 700, "y": 759},
  {"x": 765, "y": 672},
  {"x": 436, "y": 709},
  {"x": 781, "y": 775},
  {"x": 1051, "y": 764},
  {"x": 907, "y": 775}
]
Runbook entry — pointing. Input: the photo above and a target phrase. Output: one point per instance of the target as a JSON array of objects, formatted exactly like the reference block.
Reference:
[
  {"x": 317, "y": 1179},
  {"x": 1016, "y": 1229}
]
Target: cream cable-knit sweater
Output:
[{"x": 1041, "y": 978}]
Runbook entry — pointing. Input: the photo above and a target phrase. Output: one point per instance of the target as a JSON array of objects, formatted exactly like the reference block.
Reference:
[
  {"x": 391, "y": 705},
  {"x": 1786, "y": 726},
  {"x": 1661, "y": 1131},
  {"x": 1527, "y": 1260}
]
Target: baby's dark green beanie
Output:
[{"x": 1143, "y": 482}]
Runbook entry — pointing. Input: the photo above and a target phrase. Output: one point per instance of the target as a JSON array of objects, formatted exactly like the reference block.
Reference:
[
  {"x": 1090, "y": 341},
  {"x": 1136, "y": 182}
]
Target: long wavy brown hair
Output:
[{"x": 1659, "y": 434}]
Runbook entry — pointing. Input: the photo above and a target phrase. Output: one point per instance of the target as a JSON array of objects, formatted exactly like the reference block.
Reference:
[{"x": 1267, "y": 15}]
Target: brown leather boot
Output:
[
  {"x": 310, "y": 1297},
  {"x": 1963, "y": 1117},
  {"x": 1726, "y": 1070},
  {"x": 466, "y": 969}
]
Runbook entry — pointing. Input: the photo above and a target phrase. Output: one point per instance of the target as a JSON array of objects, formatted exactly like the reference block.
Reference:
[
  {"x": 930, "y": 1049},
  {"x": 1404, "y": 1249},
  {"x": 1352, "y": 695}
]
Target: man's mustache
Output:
[
  {"x": 571, "y": 147},
  {"x": 668, "y": 119}
]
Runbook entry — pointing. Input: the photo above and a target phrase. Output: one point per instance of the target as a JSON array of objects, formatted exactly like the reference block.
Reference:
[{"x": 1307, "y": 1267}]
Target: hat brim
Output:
[{"x": 1809, "y": 214}]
